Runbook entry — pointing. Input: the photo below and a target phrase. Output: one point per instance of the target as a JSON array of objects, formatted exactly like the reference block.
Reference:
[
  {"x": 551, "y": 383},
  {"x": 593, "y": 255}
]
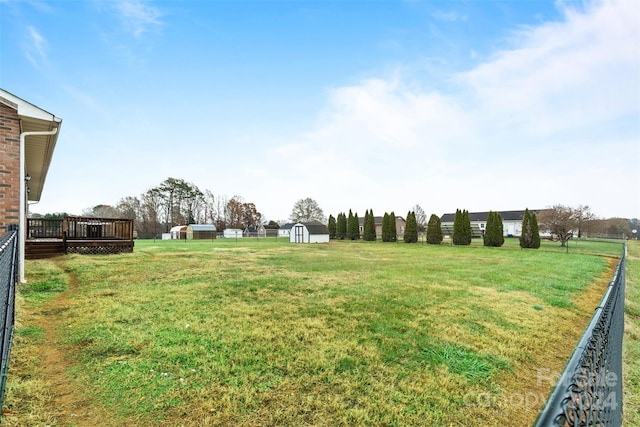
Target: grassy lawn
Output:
[
  {"x": 631, "y": 344},
  {"x": 261, "y": 332}
]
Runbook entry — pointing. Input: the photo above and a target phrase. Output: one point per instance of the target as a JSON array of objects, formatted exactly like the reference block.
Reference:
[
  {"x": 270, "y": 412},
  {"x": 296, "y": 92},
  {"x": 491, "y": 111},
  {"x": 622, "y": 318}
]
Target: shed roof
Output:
[
  {"x": 38, "y": 149},
  {"x": 378, "y": 219},
  {"x": 178, "y": 228},
  {"x": 316, "y": 227},
  {"x": 202, "y": 227}
]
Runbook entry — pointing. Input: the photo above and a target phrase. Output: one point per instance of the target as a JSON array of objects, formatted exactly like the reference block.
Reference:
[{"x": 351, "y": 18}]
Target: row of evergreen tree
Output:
[{"x": 348, "y": 227}]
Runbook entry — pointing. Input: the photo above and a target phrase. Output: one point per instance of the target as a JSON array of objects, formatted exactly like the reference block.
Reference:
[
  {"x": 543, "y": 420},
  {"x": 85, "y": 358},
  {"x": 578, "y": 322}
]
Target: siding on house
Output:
[
  {"x": 285, "y": 230},
  {"x": 400, "y": 225},
  {"x": 511, "y": 222}
]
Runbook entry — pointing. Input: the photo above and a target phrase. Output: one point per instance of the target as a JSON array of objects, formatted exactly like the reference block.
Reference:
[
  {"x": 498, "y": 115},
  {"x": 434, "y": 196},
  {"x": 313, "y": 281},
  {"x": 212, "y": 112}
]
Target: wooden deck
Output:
[{"x": 81, "y": 235}]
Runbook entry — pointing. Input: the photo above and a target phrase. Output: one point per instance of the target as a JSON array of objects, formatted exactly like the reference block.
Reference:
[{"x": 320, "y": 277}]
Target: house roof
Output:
[
  {"x": 378, "y": 219},
  {"x": 287, "y": 226},
  {"x": 482, "y": 216},
  {"x": 202, "y": 227},
  {"x": 38, "y": 148},
  {"x": 316, "y": 227}
]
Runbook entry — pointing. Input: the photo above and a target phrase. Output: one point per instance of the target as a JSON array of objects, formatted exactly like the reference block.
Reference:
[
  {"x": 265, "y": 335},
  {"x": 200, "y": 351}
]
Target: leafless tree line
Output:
[{"x": 178, "y": 202}]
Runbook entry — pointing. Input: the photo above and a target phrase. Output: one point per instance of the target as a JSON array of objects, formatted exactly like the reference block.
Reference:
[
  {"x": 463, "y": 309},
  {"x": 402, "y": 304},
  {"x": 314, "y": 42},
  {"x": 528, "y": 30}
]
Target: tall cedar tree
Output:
[
  {"x": 458, "y": 229},
  {"x": 341, "y": 226},
  {"x": 493, "y": 233},
  {"x": 411, "y": 229},
  {"x": 353, "y": 226},
  {"x": 369, "y": 226},
  {"x": 332, "y": 227},
  {"x": 488, "y": 230},
  {"x": 467, "y": 227},
  {"x": 530, "y": 235},
  {"x": 499, "y": 229},
  {"x": 364, "y": 224},
  {"x": 385, "y": 228},
  {"x": 535, "y": 231},
  {"x": 393, "y": 230},
  {"x": 434, "y": 230},
  {"x": 461, "y": 228},
  {"x": 525, "y": 234}
]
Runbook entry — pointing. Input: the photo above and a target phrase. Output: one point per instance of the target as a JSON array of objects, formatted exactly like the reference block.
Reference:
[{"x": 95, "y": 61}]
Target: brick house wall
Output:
[{"x": 9, "y": 167}]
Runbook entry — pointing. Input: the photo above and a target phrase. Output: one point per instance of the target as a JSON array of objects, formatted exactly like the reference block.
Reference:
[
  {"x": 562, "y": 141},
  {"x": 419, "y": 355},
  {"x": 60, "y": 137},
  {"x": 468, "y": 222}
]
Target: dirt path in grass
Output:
[{"x": 69, "y": 403}]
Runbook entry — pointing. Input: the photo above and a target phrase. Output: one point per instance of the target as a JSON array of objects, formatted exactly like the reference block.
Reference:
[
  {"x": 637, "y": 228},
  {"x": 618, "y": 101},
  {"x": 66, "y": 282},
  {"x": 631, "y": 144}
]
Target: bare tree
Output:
[
  {"x": 250, "y": 215},
  {"x": 130, "y": 207},
  {"x": 239, "y": 214},
  {"x": 102, "y": 211},
  {"x": 559, "y": 221},
  {"x": 305, "y": 210},
  {"x": 192, "y": 204},
  {"x": 151, "y": 212},
  {"x": 421, "y": 217},
  {"x": 209, "y": 207},
  {"x": 233, "y": 212},
  {"x": 583, "y": 216}
]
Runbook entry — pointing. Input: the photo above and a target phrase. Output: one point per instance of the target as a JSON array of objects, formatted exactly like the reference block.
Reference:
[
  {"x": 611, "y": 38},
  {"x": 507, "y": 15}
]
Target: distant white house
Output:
[
  {"x": 285, "y": 230},
  {"x": 231, "y": 233},
  {"x": 309, "y": 232},
  {"x": 511, "y": 222}
]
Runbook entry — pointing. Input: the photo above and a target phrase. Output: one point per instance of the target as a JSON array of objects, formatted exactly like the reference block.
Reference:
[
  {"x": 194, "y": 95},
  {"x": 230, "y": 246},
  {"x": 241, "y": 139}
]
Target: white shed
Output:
[
  {"x": 309, "y": 232},
  {"x": 231, "y": 233}
]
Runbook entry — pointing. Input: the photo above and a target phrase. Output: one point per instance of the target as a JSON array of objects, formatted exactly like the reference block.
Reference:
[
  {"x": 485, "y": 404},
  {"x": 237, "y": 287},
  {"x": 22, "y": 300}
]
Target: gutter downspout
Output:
[{"x": 23, "y": 196}]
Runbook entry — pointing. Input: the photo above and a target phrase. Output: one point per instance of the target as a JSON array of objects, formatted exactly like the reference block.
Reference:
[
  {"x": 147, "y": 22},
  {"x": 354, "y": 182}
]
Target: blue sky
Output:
[{"x": 478, "y": 105}]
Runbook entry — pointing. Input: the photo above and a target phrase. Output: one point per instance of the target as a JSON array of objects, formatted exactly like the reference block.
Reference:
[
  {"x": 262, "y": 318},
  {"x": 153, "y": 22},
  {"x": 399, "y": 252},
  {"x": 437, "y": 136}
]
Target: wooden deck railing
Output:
[
  {"x": 80, "y": 228},
  {"x": 80, "y": 235}
]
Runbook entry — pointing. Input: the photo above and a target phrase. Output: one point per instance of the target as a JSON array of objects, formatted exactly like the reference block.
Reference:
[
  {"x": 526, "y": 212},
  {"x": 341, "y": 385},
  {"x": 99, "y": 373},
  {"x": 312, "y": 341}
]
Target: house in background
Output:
[
  {"x": 285, "y": 230},
  {"x": 253, "y": 231},
  {"x": 400, "y": 225},
  {"x": 309, "y": 232},
  {"x": 511, "y": 223}
]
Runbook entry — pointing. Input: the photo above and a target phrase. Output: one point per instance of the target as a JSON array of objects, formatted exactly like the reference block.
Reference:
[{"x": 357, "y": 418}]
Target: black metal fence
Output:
[
  {"x": 8, "y": 280},
  {"x": 589, "y": 391}
]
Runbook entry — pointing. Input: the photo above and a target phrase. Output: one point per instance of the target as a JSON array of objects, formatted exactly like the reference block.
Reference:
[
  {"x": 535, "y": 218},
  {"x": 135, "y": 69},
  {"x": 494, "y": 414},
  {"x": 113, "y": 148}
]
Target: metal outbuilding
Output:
[
  {"x": 179, "y": 232},
  {"x": 201, "y": 232}
]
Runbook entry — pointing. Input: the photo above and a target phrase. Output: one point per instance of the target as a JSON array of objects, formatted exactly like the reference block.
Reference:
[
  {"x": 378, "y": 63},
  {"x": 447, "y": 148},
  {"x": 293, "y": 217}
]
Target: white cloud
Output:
[
  {"x": 35, "y": 48},
  {"x": 531, "y": 127},
  {"x": 137, "y": 16},
  {"x": 565, "y": 74}
]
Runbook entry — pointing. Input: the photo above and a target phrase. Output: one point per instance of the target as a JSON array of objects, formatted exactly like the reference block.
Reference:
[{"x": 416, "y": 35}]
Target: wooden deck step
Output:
[{"x": 43, "y": 249}]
